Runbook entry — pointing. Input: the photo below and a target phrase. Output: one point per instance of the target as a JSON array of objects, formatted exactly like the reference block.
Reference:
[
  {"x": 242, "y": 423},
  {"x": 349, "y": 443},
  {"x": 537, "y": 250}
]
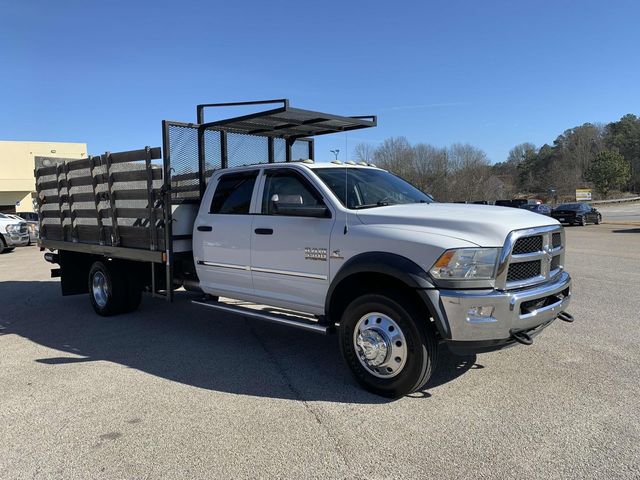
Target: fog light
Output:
[{"x": 481, "y": 314}]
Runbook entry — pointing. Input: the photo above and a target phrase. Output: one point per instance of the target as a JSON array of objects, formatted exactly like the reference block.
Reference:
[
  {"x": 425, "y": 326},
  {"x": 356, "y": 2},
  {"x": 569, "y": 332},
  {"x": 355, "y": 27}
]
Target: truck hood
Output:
[{"x": 484, "y": 225}]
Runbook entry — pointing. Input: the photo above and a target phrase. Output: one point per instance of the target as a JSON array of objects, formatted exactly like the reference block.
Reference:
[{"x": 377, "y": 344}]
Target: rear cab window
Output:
[{"x": 233, "y": 193}]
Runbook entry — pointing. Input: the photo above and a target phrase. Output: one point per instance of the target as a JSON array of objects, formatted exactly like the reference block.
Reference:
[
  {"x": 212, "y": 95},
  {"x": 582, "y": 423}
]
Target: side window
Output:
[
  {"x": 233, "y": 193},
  {"x": 288, "y": 188}
]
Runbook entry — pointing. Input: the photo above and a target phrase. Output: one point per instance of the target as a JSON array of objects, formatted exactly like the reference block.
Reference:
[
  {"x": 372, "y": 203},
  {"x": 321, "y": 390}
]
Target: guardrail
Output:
[{"x": 617, "y": 200}]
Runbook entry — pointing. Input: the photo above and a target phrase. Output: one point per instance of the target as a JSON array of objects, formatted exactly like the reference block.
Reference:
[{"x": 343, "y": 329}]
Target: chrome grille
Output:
[
  {"x": 523, "y": 270},
  {"x": 23, "y": 228},
  {"x": 530, "y": 257}
]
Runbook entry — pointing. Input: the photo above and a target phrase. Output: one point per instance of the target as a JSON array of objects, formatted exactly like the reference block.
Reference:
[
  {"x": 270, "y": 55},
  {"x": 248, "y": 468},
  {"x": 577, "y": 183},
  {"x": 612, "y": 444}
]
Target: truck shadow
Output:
[
  {"x": 183, "y": 343},
  {"x": 627, "y": 230}
]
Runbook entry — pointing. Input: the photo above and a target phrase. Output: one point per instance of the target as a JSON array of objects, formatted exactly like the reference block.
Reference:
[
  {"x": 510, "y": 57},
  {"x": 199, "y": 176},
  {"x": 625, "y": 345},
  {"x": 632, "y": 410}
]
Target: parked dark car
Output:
[
  {"x": 541, "y": 208},
  {"x": 576, "y": 214},
  {"x": 515, "y": 203},
  {"x": 518, "y": 202}
]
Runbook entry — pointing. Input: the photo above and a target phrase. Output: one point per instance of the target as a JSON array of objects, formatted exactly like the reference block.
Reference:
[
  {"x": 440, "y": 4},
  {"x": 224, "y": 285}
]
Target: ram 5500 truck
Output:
[{"x": 238, "y": 211}]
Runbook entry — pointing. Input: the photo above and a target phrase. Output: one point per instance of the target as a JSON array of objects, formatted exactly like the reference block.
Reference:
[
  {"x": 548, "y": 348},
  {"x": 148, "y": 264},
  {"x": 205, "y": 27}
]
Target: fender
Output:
[{"x": 400, "y": 268}]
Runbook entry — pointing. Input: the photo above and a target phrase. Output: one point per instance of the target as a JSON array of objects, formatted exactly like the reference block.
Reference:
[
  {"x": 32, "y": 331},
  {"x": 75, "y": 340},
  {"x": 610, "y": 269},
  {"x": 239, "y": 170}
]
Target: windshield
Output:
[
  {"x": 368, "y": 188},
  {"x": 569, "y": 206}
]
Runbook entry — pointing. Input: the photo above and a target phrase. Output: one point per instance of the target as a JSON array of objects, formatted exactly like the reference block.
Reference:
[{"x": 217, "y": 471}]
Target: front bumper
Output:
[
  {"x": 16, "y": 240},
  {"x": 525, "y": 310}
]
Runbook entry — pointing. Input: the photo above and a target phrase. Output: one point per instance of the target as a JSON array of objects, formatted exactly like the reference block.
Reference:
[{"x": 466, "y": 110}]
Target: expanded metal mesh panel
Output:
[
  {"x": 293, "y": 122},
  {"x": 300, "y": 150},
  {"x": 183, "y": 145},
  {"x": 556, "y": 240},
  {"x": 212, "y": 153},
  {"x": 523, "y": 270},
  {"x": 279, "y": 150},
  {"x": 246, "y": 149},
  {"x": 528, "y": 245}
]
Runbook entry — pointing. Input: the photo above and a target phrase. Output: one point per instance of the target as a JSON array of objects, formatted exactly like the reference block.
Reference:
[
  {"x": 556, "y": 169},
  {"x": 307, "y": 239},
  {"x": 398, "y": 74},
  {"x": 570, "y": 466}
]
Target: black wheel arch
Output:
[{"x": 364, "y": 270}]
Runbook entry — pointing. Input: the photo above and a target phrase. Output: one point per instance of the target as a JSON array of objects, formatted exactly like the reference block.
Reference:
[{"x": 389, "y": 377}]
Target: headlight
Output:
[
  {"x": 12, "y": 228},
  {"x": 466, "y": 264}
]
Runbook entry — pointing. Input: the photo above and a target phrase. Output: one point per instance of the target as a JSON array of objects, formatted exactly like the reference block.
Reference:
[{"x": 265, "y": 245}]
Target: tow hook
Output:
[
  {"x": 565, "y": 317},
  {"x": 522, "y": 337}
]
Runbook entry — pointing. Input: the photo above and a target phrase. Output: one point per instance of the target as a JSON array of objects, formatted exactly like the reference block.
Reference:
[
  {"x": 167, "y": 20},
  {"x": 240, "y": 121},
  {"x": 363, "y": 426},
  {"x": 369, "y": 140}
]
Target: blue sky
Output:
[{"x": 490, "y": 73}]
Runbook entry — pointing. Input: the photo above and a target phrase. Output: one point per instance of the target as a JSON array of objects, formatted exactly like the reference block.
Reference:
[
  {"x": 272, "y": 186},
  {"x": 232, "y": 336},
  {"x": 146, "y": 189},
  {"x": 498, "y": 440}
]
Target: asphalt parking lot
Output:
[
  {"x": 620, "y": 212},
  {"x": 172, "y": 391}
]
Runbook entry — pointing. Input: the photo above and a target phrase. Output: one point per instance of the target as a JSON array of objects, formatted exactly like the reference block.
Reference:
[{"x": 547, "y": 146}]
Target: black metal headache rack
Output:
[
  {"x": 123, "y": 204},
  {"x": 282, "y": 134}
]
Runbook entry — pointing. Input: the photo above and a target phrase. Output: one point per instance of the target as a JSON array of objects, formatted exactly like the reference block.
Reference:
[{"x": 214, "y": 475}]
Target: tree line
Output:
[{"x": 603, "y": 157}]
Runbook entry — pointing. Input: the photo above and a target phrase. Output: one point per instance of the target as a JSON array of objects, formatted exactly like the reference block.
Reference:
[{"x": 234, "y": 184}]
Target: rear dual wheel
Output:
[
  {"x": 112, "y": 290},
  {"x": 387, "y": 344}
]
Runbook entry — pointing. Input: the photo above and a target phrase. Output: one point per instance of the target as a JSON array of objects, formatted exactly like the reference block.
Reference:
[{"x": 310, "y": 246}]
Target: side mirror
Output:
[{"x": 291, "y": 205}]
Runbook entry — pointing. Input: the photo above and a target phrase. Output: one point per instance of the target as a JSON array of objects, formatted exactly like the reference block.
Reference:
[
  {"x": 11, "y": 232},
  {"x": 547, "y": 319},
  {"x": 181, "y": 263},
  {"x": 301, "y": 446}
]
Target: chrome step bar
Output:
[{"x": 288, "y": 320}]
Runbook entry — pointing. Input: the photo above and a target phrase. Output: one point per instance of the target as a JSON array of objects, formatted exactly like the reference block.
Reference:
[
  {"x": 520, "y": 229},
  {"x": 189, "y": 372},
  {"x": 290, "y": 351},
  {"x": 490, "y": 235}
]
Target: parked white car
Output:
[{"x": 13, "y": 233}]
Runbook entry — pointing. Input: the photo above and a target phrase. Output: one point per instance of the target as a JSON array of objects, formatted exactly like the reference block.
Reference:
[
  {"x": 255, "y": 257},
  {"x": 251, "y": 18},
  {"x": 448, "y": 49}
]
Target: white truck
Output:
[
  {"x": 13, "y": 233},
  {"x": 324, "y": 247}
]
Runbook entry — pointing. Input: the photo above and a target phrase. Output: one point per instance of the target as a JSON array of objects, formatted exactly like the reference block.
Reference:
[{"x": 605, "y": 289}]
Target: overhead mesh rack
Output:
[{"x": 192, "y": 151}]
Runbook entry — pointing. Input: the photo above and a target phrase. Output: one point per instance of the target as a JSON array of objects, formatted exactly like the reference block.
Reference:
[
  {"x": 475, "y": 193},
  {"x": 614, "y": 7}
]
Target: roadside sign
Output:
[{"x": 583, "y": 194}]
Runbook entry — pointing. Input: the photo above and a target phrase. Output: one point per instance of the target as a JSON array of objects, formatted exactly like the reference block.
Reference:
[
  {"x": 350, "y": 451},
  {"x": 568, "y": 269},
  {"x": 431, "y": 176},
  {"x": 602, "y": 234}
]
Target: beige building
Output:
[{"x": 17, "y": 183}]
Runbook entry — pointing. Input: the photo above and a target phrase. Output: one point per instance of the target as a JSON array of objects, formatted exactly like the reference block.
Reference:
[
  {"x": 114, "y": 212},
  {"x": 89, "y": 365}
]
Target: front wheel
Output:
[
  {"x": 387, "y": 344},
  {"x": 583, "y": 221},
  {"x": 598, "y": 219}
]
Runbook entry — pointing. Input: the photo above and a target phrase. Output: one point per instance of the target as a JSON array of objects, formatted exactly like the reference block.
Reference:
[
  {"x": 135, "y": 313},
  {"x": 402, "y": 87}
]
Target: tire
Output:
[
  {"x": 111, "y": 290},
  {"x": 3, "y": 246},
  {"x": 410, "y": 351},
  {"x": 598, "y": 219},
  {"x": 583, "y": 221}
]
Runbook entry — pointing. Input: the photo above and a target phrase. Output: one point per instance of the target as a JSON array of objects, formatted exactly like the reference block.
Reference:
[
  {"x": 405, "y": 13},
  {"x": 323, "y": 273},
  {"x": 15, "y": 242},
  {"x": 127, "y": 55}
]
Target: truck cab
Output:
[{"x": 358, "y": 247}]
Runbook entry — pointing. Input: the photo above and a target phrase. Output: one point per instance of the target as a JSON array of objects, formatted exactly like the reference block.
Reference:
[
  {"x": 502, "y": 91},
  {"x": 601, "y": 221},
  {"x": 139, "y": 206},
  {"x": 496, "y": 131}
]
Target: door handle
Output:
[
  {"x": 264, "y": 231},
  {"x": 205, "y": 228}
]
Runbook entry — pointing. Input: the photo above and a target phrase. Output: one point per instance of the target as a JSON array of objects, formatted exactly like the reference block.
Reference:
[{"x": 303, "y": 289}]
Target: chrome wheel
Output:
[
  {"x": 380, "y": 345},
  {"x": 100, "y": 289}
]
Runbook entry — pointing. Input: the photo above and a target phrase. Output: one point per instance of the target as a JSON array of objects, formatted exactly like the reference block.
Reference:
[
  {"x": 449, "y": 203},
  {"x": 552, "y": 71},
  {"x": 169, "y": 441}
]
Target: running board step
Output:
[{"x": 288, "y": 320}]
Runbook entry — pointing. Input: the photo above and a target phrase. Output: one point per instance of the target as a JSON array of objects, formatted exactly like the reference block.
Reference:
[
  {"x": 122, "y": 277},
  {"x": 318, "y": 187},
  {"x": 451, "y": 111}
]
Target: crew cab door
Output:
[
  {"x": 222, "y": 235},
  {"x": 290, "y": 248}
]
